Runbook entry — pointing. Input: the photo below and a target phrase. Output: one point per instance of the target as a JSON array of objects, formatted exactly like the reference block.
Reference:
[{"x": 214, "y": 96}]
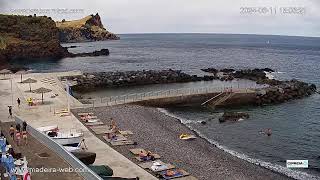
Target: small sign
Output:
[{"x": 297, "y": 163}]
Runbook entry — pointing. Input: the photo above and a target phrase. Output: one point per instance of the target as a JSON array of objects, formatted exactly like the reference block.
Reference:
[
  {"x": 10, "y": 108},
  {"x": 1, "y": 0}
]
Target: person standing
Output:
[
  {"x": 11, "y": 131},
  {"x": 10, "y": 111},
  {"x": 18, "y": 101}
]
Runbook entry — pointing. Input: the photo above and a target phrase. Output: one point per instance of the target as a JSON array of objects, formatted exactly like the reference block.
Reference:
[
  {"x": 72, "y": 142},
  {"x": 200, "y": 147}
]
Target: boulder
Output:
[{"x": 233, "y": 116}]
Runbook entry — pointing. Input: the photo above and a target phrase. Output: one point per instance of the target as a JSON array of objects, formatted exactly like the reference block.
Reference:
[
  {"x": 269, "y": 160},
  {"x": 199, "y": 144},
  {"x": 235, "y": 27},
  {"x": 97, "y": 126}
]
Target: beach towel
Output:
[
  {"x": 137, "y": 151},
  {"x": 117, "y": 138},
  {"x": 88, "y": 117},
  {"x": 156, "y": 156},
  {"x": 177, "y": 173},
  {"x": 85, "y": 114},
  {"x": 126, "y": 132},
  {"x": 94, "y": 123},
  {"x": 104, "y": 129},
  {"x": 156, "y": 166},
  {"x": 92, "y": 120},
  {"x": 122, "y": 143},
  {"x": 188, "y": 178}
]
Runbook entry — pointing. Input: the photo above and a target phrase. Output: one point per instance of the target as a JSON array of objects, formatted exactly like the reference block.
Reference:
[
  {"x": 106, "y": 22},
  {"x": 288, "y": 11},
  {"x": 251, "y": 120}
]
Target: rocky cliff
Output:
[
  {"x": 89, "y": 28},
  {"x": 28, "y": 37},
  {"x": 32, "y": 37}
]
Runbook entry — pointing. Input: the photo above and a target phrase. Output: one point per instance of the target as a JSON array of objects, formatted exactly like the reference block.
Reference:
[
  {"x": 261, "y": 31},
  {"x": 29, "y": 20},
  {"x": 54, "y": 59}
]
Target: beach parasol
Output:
[
  {"x": 41, "y": 90},
  {"x": 5, "y": 71},
  {"x": 29, "y": 80},
  {"x": 21, "y": 72}
]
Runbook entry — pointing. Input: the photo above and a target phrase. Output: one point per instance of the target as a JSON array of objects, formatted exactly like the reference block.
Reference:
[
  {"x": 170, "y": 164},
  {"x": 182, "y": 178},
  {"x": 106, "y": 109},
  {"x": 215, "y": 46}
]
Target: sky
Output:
[{"x": 292, "y": 17}]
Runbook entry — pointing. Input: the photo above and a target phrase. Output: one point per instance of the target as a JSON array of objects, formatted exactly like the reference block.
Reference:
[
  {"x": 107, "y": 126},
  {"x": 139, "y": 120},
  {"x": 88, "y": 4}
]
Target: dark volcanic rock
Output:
[
  {"x": 210, "y": 70},
  {"x": 90, "y": 81},
  {"x": 233, "y": 116},
  {"x": 227, "y": 70},
  {"x": 285, "y": 91},
  {"x": 102, "y": 52}
]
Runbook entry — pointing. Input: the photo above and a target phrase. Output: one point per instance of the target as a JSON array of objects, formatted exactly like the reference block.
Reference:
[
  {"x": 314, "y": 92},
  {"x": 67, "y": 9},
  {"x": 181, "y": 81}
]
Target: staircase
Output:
[{"x": 218, "y": 99}]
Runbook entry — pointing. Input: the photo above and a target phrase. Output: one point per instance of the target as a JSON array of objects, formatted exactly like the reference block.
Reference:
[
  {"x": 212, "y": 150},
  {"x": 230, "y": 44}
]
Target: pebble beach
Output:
[{"x": 159, "y": 133}]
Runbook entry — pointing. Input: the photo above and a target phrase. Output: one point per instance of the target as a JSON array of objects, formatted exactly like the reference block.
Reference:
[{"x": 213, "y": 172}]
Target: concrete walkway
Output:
[{"x": 44, "y": 115}]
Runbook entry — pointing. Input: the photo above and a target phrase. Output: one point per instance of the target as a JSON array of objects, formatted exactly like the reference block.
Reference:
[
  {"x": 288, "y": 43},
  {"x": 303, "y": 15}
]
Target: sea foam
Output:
[{"x": 274, "y": 167}]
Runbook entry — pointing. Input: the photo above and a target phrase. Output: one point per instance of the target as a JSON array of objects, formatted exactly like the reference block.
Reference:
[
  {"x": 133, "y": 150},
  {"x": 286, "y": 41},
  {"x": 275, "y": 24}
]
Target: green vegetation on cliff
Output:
[
  {"x": 3, "y": 42},
  {"x": 29, "y": 37}
]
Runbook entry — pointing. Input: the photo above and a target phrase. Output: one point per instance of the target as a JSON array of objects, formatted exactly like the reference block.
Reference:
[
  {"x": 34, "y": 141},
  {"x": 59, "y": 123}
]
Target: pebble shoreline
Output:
[{"x": 157, "y": 132}]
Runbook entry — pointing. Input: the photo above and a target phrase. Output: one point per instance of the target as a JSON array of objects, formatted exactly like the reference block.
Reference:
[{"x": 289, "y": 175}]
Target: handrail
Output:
[
  {"x": 136, "y": 97},
  {"x": 74, "y": 162}
]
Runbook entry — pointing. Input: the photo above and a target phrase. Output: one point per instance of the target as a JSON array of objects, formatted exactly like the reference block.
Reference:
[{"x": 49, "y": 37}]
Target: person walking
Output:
[
  {"x": 18, "y": 101},
  {"x": 10, "y": 111}
]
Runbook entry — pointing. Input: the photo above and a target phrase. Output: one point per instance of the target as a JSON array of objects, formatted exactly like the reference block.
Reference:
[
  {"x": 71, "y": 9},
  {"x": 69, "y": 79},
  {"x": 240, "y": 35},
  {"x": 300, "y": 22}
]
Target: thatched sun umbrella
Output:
[
  {"x": 5, "y": 71},
  {"x": 21, "y": 72},
  {"x": 29, "y": 80},
  {"x": 41, "y": 91}
]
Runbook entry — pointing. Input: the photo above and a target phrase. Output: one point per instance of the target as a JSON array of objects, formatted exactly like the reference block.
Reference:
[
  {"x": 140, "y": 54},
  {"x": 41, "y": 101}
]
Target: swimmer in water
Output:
[{"x": 268, "y": 132}]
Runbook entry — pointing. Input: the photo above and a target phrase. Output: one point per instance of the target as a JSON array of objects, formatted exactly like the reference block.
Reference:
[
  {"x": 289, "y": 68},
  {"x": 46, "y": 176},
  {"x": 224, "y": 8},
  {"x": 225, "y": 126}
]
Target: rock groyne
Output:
[{"x": 91, "y": 81}]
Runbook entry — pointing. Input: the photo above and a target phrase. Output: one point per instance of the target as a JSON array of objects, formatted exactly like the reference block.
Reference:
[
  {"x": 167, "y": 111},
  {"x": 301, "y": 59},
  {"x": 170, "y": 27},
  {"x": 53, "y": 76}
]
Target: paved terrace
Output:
[{"x": 44, "y": 115}]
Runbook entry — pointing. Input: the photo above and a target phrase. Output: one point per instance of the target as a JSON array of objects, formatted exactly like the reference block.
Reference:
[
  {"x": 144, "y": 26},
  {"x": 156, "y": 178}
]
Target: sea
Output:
[{"x": 295, "y": 125}]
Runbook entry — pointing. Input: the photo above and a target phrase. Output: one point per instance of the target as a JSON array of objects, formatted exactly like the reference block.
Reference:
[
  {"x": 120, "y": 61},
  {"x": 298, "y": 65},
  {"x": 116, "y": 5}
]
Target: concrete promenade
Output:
[{"x": 44, "y": 115}]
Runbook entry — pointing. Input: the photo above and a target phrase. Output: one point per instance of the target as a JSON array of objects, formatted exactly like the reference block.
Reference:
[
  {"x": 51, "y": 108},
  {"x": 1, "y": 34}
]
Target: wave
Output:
[{"x": 274, "y": 167}]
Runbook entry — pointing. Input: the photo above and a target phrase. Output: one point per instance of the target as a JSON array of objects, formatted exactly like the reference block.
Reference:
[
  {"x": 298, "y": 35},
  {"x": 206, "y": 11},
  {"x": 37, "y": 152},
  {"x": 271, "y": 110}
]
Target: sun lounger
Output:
[
  {"x": 162, "y": 167},
  {"x": 156, "y": 156},
  {"x": 122, "y": 143},
  {"x": 85, "y": 114},
  {"x": 61, "y": 112},
  {"x": 137, "y": 151},
  {"x": 126, "y": 132},
  {"x": 178, "y": 173},
  {"x": 92, "y": 120},
  {"x": 104, "y": 129},
  {"x": 99, "y": 123},
  {"x": 65, "y": 114},
  {"x": 187, "y": 178},
  {"x": 118, "y": 138},
  {"x": 88, "y": 117}
]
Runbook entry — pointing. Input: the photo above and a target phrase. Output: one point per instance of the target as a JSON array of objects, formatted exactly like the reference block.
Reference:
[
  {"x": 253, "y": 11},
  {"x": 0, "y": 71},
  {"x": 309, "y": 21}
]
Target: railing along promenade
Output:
[{"x": 136, "y": 97}]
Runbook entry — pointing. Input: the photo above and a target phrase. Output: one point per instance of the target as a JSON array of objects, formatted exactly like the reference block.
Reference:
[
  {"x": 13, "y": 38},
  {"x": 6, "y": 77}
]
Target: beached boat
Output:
[
  {"x": 72, "y": 148},
  {"x": 48, "y": 128},
  {"x": 187, "y": 137},
  {"x": 86, "y": 157},
  {"x": 63, "y": 138},
  {"x": 68, "y": 138}
]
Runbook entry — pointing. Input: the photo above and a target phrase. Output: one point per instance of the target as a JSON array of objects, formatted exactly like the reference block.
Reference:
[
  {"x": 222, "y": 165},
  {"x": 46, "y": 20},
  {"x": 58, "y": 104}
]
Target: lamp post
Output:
[
  {"x": 11, "y": 91},
  {"x": 68, "y": 94}
]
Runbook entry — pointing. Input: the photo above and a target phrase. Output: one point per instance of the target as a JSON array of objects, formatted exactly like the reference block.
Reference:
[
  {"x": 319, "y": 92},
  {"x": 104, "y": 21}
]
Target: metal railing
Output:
[
  {"x": 74, "y": 162},
  {"x": 130, "y": 98}
]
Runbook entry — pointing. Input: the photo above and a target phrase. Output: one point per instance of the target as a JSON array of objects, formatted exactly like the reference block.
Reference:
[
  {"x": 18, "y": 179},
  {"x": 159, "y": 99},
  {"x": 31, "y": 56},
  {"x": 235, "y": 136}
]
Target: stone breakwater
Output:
[
  {"x": 276, "y": 92},
  {"x": 91, "y": 81},
  {"x": 285, "y": 91}
]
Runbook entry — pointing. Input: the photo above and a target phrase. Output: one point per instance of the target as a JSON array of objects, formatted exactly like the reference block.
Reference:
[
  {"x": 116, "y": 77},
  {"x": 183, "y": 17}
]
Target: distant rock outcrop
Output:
[{"x": 89, "y": 28}]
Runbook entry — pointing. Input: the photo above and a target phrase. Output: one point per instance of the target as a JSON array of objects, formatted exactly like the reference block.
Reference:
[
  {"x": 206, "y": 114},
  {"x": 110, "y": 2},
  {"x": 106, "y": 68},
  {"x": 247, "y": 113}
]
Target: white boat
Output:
[
  {"x": 63, "y": 138},
  {"x": 48, "y": 128},
  {"x": 66, "y": 138},
  {"x": 72, "y": 149}
]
